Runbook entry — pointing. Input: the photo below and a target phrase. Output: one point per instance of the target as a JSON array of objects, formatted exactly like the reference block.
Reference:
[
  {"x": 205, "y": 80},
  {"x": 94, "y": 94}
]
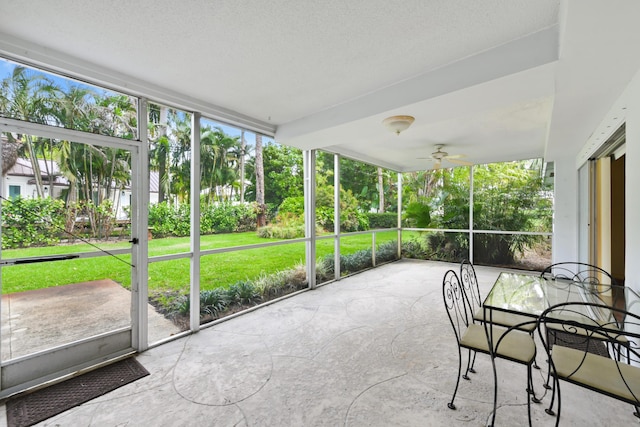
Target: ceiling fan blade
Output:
[
  {"x": 459, "y": 162},
  {"x": 437, "y": 165},
  {"x": 455, "y": 156}
]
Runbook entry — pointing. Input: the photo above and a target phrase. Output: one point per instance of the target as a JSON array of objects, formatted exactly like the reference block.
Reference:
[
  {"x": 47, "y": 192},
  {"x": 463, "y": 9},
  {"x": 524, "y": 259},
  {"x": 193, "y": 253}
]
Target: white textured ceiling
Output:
[{"x": 486, "y": 78}]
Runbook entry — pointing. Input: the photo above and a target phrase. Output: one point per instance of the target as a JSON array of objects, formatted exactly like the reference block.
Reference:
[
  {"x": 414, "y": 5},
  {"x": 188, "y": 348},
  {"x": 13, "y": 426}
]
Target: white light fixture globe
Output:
[{"x": 398, "y": 124}]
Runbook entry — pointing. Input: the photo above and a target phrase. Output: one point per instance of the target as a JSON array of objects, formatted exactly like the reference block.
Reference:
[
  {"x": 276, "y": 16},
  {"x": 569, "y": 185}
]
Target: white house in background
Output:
[{"x": 20, "y": 182}]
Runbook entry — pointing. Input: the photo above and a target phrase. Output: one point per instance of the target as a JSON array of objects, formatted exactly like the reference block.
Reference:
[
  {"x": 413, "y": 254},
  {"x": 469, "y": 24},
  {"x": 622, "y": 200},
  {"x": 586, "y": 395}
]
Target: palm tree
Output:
[
  {"x": 218, "y": 161},
  {"x": 180, "y": 168},
  {"x": 10, "y": 151},
  {"x": 160, "y": 147},
  {"x": 262, "y": 208},
  {"x": 243, "y": 152},
  {"x": 30, "y": 96}
]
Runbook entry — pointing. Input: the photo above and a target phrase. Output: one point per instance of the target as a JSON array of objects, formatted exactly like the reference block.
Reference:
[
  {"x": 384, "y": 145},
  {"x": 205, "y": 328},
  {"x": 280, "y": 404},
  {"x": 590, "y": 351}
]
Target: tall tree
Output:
[
  {"x": 160, "y": 147},
  {"x": 243, "y": 153},
  {"x": 29, "y": 96},
  {"x": 380, "y": 191},
  {"x": 218, "y": 162},
  {"x": 262, "y": 208}
]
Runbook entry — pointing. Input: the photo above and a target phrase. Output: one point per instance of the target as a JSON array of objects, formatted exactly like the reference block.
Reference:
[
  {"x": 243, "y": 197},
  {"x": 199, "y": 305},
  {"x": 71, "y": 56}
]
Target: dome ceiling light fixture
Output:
[{"x": 398, "y": 124}]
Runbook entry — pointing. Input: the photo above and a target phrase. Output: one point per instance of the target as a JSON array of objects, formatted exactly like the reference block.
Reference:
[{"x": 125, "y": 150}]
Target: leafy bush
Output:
[
  {"x": 243, "y": 292},
  {"x": 32, "y": 222},
  {"x": 275, "y": 231},
  {"x": 382, "y": 220},
  {"x": 451, "y": 247},
  {"x": 282, "y": 283},
  {"x": 169, "y": 220},
  {"x": 227, "y": 218},
  {"x": 213, "y": 302},
  {"x": 510, "y": 196},
  {"x": 418, "y": 214},
  {"x": 387, "y": 251},
  {"x": 293, "y": 206},
  {"x": 356, "y": 261},
  {"x": 414, "y": 249}
]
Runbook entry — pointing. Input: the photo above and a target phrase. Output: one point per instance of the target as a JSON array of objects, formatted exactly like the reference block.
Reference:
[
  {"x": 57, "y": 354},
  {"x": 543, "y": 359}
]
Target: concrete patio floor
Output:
[{"x": 374, "y": 349}]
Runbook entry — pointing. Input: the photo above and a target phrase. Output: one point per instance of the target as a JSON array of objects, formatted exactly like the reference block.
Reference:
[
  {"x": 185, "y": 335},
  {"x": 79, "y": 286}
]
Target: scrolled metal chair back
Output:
[
  {"x": 470, "y": 285},
  {"x": 575, "y": 320},
  {"x": 455, "y": 302},
  {"x": 598, "y": 278}
]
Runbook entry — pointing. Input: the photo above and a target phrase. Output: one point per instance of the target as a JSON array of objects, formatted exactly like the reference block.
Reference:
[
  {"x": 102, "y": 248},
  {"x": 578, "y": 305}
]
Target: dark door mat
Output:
[{"x": 34, "y": 407}]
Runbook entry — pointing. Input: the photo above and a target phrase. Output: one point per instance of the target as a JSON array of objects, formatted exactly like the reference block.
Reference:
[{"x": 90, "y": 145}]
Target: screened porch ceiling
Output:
[{"x": 494, "y": 80}]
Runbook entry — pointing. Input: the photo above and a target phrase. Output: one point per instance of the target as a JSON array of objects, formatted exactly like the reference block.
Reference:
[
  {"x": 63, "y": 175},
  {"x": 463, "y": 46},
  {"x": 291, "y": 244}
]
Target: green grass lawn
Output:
[{"x": 216, "y": 270}]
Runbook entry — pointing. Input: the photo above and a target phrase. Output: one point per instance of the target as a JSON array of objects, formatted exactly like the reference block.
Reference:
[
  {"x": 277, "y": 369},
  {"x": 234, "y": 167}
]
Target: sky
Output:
[{"x": 6, "y": 68}]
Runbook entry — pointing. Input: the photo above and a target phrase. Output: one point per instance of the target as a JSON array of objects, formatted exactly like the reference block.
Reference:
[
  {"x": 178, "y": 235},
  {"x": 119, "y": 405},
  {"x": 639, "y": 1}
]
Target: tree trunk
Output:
[
  {"x": 380, "y": 191},
  {"x": 37, "y": 174},
  {"x": 9, "y": 154},
  {"x": 162, "y": 162},
  {"x": 243, "y": 147},
  {"x": 262, "y": 218}
]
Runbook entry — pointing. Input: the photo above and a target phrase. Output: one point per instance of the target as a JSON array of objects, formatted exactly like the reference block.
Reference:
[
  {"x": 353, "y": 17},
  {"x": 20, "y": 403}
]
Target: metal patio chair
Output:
[
  {"x": 611, "y": 376},
  {"x": 599, "y": 287},
  {"x": 472, "y": 290},
  {"x": 507, "y": 343}
]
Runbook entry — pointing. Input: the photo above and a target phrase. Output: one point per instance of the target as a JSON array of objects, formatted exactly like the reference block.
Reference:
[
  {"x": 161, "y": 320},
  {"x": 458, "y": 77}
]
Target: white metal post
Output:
[
  {"x": 471, "y": 214},
  {"x": 194, "y": 289},
  {"x": 373, "y": 249},
  {"x": 309, "y": 166},
  {"x": 139, "y": 233},
  {"x": 399, "y": 214},
  {"x": 336, "y": 216}
]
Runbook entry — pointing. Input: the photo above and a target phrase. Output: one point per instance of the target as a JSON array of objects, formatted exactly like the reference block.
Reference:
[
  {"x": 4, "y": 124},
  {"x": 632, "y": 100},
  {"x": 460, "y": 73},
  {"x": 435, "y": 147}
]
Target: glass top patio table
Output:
[{"x": 530, "y": 295}]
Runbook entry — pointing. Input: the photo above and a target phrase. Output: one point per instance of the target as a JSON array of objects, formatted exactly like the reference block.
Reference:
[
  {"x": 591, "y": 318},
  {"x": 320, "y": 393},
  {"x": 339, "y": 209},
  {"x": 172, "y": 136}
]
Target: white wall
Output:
[
  {"x": 632, "y": 180},
  {"x": 565, "y": 216}
]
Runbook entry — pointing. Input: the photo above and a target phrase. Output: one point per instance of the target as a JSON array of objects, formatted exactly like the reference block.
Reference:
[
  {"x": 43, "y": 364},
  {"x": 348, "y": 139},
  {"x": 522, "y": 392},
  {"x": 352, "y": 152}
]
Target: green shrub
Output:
[
  {"x": 451, "y": 247},
  {"x": 387, "y": 251},
  {"x": 246, "y": 292},
  {"x": 382, "y": 220},
  {"x": 282, "y": 282},
  {"x": 414, "y": 249},
  {"x": 213, "y": 302},
  {"x": 32, "y": 222},
  {"x": 275, "y": 231},
  {"x": 293, "y": 206},
  {"x": 227, "y": 218},
  {"x": 418, "y": 214},
  {"x": 357, "y": 261},
  {"x": 169, "y": 220},
  {"x": 182, "y": 305}
]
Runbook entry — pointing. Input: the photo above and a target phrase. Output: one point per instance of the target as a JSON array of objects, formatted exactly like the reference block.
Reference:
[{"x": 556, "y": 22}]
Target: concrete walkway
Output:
[
  {"x": 33, "y": 320},
  {"x": 375, "y": 349}
]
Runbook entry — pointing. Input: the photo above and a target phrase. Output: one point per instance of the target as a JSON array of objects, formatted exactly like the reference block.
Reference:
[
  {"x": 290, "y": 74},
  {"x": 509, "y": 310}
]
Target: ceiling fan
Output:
[{"x": 438, "y": 156}]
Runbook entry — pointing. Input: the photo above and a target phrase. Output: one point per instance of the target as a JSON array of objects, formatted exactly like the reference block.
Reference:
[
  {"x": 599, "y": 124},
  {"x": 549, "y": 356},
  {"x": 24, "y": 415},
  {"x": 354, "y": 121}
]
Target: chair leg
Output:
[
  {"x": 473, "y": 362},
  {"x": 470, "y": 363},
  {"x": 557, "y": 387},
  {"x": 530, "y": 391},
  {"x": 451, "y": 405},
  {"x": 535, "y": 362},
  {"x": 495, "y": 392},
  {"x": 549, "y": 410}
]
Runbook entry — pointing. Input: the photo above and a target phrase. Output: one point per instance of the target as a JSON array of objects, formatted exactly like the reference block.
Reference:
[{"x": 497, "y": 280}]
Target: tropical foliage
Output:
[{"x": 509, "y": 196}]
